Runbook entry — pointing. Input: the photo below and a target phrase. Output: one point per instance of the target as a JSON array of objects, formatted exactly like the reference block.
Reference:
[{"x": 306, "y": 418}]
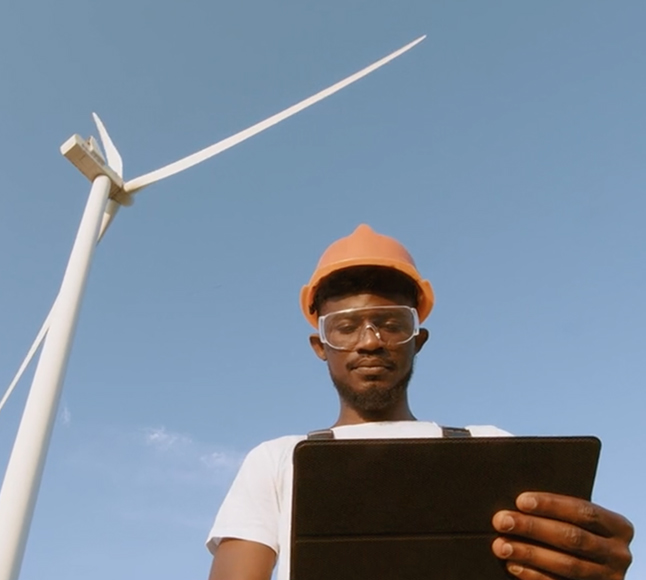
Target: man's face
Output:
[{"x": 371, "y": 377}]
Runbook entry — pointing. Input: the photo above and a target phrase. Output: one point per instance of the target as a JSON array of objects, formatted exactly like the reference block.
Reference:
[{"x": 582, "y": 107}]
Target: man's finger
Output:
[
  {"x": 531, "y": 562},
  {"x": 525, "y": 573},
  {"x": 557, "y": 534},
  {"x": 580, "y": 512}
]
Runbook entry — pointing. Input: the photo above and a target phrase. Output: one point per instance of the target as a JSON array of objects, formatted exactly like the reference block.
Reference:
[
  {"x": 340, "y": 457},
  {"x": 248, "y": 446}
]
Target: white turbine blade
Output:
[
  {"x": 114, "y": 159},
  {"x": 110, "y": 211},
  {"x": 173, "y": 168},
  {"x": 30, "y": 355}
]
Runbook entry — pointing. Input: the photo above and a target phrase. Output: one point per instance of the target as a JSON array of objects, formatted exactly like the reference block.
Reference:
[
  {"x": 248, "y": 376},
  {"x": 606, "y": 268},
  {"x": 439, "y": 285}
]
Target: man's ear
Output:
[
  {"x": 317, "y": 346},
  {"x": 420, "y": 339}
]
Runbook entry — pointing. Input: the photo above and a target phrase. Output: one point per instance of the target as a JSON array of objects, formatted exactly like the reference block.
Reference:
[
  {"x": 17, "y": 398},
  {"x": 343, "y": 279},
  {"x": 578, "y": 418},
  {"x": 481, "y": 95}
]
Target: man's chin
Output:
[
  {"x": 375, "y": 381},
  {"x": 371, "y": 392}
]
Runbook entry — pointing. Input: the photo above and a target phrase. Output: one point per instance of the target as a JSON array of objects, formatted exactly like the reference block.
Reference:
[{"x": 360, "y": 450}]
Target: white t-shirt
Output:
[{"x": 259, "y": 504}]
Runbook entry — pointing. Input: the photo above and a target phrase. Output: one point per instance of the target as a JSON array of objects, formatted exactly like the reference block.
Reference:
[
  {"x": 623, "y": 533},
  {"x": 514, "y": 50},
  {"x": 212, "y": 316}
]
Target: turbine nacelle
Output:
[{"x": 87, "y": 158}]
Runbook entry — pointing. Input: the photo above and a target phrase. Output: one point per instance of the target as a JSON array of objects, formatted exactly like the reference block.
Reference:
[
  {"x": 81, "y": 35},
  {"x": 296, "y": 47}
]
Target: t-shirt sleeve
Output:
[
  {"x": 487, "y": 431},
  {"x": 250, "y": 510}
]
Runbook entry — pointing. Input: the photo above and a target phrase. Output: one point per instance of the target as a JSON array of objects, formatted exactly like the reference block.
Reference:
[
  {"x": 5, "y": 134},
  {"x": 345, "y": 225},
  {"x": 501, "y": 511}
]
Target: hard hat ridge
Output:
[{"x": 365, "y": 247}]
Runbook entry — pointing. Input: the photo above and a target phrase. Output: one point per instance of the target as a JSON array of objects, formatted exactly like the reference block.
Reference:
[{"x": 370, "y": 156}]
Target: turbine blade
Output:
[
  {"x": 30, "y": 355},
  {"x": 110, "y": 211},
  {"x": 173, "y": 168},
  {"x": 114, "y": 159}
]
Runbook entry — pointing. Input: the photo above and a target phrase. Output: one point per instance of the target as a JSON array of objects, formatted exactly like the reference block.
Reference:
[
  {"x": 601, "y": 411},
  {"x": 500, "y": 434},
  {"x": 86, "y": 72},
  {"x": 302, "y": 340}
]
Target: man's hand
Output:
[{"x": 580, "y": 540}]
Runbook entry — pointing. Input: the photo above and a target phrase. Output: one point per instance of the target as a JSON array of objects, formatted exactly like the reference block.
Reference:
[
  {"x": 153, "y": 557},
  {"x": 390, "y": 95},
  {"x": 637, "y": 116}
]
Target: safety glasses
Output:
[{"x": 392, "y": 325}]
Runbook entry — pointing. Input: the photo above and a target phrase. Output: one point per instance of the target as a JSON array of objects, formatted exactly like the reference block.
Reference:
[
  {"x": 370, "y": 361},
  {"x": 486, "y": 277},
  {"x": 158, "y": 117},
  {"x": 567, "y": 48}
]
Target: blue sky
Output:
[{"x": 506, "y": 151}]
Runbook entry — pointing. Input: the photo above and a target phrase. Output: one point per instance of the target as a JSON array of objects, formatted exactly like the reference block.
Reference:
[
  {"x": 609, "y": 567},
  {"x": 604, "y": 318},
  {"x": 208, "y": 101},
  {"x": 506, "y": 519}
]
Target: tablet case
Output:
[{"x": 420, "y": 509}]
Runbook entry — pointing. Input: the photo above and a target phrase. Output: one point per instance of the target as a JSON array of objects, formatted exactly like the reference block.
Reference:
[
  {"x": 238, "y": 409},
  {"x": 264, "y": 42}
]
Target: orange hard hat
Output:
[{"x": 365, "y": 247}]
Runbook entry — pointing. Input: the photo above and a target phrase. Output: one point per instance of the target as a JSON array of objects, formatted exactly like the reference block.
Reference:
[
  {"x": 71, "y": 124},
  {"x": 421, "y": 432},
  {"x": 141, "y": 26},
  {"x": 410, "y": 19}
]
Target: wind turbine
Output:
[{"x": 108, "y": 193}]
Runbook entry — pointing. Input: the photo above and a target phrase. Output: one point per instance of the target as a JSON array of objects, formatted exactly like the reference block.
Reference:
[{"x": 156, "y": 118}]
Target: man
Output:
[{"x": 366, "y": 299}]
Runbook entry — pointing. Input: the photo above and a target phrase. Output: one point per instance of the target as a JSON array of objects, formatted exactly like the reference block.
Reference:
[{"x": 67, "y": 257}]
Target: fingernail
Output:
[
  {"x": 506, "y": 550},
  {"x": 527, "y": 502},
  {"x": 515, "y": 569},
  {"x": 507, "y": 524}
]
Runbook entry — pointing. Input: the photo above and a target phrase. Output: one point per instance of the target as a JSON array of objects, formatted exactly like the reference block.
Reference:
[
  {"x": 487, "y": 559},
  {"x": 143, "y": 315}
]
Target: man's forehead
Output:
[{"x": 361, "y": 301}]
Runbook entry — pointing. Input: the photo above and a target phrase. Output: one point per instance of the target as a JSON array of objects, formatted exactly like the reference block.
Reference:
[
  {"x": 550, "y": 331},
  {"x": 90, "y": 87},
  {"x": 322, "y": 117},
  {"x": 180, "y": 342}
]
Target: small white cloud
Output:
[
  {"x": 163, "y": 440},
  {"x": 66, "y": 415},
  {"x": 159, "y": 475},
  {"x": 178, "y": 458},
  {"x": 220, "y": 460}
]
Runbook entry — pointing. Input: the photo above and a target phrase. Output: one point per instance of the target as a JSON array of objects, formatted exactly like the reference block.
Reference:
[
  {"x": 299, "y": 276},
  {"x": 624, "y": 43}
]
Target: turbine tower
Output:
[{"x": 108, "y": 193}]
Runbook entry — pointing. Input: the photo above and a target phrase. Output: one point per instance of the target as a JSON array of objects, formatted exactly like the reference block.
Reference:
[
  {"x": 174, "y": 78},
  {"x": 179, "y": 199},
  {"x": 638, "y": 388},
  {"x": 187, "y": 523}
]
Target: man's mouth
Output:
[{"x": 372, "y": 367}]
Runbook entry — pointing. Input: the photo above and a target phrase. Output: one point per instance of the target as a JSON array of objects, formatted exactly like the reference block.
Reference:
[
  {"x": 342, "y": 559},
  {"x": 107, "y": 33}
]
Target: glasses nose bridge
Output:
[{"x": 363, "y": 334}]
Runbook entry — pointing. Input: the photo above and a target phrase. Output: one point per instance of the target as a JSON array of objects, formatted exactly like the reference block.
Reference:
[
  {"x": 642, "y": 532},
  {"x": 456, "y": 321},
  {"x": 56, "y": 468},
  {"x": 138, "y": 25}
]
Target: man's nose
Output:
[{"x": 369, "y": 338}]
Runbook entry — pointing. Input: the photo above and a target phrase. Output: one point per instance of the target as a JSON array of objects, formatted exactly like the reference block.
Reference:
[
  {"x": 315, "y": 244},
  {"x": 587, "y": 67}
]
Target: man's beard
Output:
[{"x": 373, "y": 399}]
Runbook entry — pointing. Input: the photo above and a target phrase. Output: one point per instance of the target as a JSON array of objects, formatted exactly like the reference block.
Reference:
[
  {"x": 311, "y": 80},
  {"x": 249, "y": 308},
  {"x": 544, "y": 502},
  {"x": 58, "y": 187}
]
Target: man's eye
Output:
[
  {"x": 345, "y": 328},
  {"x": 392, "y": 327},
  {"x": 390, "y": 324}
]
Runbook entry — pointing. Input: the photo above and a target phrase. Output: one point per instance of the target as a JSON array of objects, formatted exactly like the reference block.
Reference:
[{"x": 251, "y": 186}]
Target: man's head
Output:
[{"x": 366, "y": 308}]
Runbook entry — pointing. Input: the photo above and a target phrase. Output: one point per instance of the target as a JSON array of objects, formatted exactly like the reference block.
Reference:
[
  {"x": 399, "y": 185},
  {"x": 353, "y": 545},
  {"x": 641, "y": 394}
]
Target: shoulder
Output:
[
  {"x": 273, "y": 451},
  {"x": 278, "y": 445},
  {"x": 487, "y": 431}
]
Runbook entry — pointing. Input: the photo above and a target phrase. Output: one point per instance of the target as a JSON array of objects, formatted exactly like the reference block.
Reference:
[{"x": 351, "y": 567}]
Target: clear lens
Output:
[{"x": 393, "y": 325}]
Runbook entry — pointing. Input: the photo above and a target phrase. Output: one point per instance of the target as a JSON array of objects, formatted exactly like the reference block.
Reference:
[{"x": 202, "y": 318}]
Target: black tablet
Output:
[{"x": 420, "y": 509}]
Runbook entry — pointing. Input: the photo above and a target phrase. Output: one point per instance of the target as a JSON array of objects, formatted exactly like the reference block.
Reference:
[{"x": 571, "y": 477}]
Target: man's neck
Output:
[{"x": 350, "y": 416}]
